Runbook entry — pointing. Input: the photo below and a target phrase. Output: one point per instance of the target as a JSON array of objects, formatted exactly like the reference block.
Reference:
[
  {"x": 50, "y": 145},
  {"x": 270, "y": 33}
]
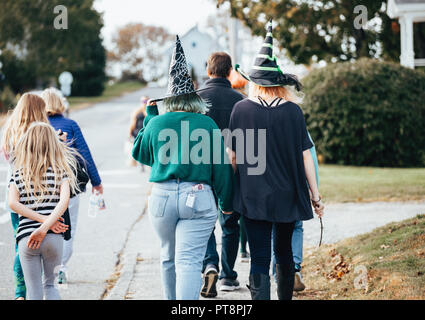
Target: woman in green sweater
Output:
[{"x": 189, "y": 164}]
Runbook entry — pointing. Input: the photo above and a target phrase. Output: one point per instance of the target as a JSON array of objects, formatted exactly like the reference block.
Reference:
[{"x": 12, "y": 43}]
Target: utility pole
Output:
[{"x": 233, "y": 38}]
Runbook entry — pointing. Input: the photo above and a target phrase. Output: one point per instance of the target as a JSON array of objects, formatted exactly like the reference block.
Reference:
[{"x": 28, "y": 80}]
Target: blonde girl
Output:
[
  {"x": 55, "y": 109},
  {"x": 30, "y": 108},
  {"x": 39, "y": 192}
]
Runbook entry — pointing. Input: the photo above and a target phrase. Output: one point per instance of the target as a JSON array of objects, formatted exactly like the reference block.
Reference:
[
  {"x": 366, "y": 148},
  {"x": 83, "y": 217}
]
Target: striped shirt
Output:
[{"x": 45, "y": 206}]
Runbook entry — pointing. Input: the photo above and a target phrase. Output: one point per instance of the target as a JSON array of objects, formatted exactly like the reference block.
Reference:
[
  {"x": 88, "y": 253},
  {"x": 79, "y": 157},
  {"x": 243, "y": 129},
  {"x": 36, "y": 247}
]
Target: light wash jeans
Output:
[
  {"x": 73, "y": 207},
  {"x": 184, "y": 228}
]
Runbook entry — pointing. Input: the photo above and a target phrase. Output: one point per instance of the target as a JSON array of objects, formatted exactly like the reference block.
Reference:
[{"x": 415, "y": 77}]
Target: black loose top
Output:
[{"x": 280, "y": 193}]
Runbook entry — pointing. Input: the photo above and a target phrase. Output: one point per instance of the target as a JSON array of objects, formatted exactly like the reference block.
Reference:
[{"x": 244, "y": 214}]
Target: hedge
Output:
[{"x": 367, "y": 113}]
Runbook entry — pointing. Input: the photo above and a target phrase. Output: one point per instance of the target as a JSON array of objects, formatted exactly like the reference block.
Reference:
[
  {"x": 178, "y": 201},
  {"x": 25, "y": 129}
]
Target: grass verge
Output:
[
  {"x": 387, "y": 263},
  {"x": 111, "y": 91},
  {"x": 367, "y": 184}
]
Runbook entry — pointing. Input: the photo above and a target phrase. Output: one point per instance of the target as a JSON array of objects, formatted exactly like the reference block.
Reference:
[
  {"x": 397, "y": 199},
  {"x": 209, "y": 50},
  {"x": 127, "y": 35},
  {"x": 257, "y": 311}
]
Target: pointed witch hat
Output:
[
  {"x": 266, "y": 72},
  {"x": 179, "y": 81}
]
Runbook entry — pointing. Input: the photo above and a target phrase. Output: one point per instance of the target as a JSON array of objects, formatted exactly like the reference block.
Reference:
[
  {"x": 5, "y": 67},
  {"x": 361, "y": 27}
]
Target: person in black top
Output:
[
  {"x": 218, "y": 93},
  {"x": 272, "y": 192}
]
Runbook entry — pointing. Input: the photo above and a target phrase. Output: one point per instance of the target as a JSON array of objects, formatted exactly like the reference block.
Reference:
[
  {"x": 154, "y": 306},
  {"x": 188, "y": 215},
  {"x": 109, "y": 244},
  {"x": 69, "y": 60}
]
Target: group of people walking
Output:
[
  {"x": 215, "y": 153},
  {"x": 49, "y": 166},
  {"x": 189, "y": 195}
]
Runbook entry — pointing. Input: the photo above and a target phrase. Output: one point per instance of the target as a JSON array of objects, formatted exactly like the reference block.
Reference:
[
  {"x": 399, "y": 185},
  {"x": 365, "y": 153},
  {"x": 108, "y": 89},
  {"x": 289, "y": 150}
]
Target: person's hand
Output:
[
  {"x": 62, "y": 135},
  {"x": 98, "y": 188},
  {"x": 227, "y": 212},
  {"x": 318, "y": 206},
  {"x": 36, "y": 238},
  {"x": 59, "y": 227},
  {"x": 151, "y": 102}
]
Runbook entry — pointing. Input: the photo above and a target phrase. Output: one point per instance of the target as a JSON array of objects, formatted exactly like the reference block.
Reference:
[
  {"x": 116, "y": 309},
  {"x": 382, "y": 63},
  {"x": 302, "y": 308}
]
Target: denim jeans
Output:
[
  {"x": 297, "y": 247},
  {"x": 211, "y": 256},
  {"x": 229, "y": 246},
  {"x": 183, "y": 217}
]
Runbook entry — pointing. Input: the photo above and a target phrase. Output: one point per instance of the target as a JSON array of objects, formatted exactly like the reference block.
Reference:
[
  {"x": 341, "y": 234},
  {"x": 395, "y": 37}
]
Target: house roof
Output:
[
  {"x": 415, "y": 9},
  {"x": 409, "y": 1}
]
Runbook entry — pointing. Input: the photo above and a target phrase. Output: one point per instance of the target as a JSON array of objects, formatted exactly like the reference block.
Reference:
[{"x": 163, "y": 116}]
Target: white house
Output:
[
  {"x": 197, "y": 47},
  {"x": 408, "y": 12}
]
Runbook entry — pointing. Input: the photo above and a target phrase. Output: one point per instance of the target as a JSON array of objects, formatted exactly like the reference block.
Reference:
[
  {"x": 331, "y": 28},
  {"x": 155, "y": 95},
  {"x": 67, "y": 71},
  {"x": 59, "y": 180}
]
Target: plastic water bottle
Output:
[
  {"x": 101, "y": 202},
  {"x": 94, "y": 205}
]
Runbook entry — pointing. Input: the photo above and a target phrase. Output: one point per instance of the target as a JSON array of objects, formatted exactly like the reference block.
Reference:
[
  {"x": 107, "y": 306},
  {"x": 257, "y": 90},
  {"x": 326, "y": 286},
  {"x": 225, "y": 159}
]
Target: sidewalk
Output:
[
  {"x": 140, "y": 279},
  {"x": 145, "y": 282}
]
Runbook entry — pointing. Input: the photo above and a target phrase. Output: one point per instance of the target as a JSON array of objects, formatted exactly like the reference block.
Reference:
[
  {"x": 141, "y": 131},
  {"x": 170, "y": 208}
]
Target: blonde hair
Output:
[
  {"x": 30, "y": 108},
  {"x": 54, "y": 103},
  {"x": 271, "y": 92},
  {"x": 37, "y": 151}
]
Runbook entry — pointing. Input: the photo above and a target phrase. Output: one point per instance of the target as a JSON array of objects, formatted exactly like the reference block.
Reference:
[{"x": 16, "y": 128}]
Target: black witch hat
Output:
[
  {"x": 266, "y": 72},
  {"x": 179, "y": 81}
]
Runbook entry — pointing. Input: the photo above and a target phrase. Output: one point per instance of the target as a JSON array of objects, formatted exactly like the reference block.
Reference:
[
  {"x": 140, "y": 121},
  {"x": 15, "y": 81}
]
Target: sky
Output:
[{"x": 178, "y": 16}]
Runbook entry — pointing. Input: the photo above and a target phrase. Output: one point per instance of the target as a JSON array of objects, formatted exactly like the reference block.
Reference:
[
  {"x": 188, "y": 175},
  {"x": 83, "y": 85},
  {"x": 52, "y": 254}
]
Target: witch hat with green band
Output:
[
  {"x": 266, "y": 72},
  {"x": 179, "y": 82}
]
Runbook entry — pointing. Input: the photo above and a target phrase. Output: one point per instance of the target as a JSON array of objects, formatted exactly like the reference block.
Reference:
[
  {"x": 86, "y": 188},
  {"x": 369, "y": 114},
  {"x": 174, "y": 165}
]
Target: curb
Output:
[{"x": 119, "y": 291}]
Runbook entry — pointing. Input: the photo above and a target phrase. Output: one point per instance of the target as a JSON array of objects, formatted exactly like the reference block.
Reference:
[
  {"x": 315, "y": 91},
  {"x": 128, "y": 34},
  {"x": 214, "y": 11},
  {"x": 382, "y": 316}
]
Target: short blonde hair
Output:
[
  {"x": 54, "y": 103},
  {"x": 268, "y": 92}
]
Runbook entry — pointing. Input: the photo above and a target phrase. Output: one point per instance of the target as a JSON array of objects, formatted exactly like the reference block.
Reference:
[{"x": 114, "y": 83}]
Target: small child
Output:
[{"x": 39, "y": 192}]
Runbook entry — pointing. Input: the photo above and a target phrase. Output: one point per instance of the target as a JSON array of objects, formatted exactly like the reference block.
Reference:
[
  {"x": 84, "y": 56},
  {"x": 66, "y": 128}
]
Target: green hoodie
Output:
[{"x": 175, "y": 136}]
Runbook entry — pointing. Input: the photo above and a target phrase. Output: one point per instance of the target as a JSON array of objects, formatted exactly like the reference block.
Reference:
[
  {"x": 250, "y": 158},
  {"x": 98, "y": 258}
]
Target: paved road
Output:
[
  {"x": 99, "y": 240},
  {"x": 120, "y": 241}
]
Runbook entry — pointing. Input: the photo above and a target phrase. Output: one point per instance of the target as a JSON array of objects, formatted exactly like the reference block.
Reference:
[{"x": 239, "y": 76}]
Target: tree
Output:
[
  {"x": 314, "y": 30},
  {"x": 30, "y": 41},
  {"x": 138, "y": 48}
]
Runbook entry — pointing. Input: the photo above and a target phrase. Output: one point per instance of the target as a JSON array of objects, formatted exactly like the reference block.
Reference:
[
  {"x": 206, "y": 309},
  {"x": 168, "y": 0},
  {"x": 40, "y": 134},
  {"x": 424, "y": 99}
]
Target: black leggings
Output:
[{"x": 259, "y": 238}]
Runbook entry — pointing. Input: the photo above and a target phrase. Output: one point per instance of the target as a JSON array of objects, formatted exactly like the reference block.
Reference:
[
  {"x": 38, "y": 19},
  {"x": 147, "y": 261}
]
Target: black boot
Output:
[
  {"x": 259, "y": 285},
  {"x": 285, "y": 282}
]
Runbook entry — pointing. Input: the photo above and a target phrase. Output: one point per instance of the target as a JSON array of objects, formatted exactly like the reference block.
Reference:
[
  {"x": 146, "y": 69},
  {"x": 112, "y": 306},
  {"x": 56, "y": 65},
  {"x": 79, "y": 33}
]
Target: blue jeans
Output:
[
  {"x": 211, "y": 256},
  {"x": 229, "y": 246},
  {"x": 183, "y": 218},
  {"x": 297, "y": 247}
]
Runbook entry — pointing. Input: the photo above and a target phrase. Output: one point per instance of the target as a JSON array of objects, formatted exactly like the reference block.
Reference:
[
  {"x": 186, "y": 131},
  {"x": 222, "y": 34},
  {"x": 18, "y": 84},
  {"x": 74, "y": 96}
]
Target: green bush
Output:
[
  {"x": 367, "y": 113},
  {"x": 7, "y": 99}
]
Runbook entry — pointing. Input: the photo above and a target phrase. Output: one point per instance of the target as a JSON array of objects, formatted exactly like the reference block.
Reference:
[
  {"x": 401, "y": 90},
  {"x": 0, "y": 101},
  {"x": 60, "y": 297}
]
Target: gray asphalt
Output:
[{"x": 100, "y": 239}]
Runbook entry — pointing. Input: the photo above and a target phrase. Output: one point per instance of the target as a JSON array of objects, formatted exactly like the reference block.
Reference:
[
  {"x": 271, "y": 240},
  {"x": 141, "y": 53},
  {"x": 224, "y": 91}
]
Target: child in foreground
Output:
[{"x": 39, "y": 191}]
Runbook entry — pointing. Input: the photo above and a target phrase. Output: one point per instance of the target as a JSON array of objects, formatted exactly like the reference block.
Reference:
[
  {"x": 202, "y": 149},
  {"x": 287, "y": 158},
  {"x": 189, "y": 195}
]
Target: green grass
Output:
[
  {"x": 111, "y": 91},
  {"x": 364, "y": 184},
  {"x": 394, "y": 257}
]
